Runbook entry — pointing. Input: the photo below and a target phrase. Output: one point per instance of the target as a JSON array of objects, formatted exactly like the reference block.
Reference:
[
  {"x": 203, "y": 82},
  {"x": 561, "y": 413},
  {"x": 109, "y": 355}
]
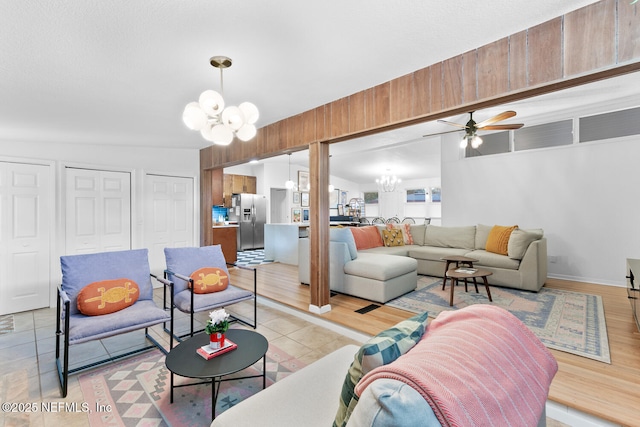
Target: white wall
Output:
[{"x": 584, "y": 196}]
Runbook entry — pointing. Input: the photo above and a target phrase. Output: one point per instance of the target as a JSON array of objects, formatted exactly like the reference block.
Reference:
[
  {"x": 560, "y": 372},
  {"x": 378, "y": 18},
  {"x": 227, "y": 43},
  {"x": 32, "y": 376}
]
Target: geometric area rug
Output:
[
  {"x": 572, "y": 322},
  {"x": 137, "y": 389}
]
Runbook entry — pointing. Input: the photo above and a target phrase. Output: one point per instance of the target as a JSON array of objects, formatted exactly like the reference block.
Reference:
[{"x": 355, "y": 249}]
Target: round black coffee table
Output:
[{"x": 184, "y": 361}]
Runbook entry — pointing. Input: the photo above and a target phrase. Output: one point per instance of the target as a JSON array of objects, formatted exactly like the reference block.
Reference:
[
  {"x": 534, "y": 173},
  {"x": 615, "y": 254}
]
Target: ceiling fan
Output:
[{"x": 471, "y": 127}]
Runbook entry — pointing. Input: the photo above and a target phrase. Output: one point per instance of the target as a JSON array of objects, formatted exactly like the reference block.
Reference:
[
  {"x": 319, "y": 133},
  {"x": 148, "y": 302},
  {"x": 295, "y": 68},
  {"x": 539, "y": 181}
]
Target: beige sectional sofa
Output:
[{"x": 382, "y": 273}]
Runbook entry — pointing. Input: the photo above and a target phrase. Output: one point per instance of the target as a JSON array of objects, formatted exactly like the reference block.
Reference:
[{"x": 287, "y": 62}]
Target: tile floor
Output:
[{"x": 28, "y": 371}]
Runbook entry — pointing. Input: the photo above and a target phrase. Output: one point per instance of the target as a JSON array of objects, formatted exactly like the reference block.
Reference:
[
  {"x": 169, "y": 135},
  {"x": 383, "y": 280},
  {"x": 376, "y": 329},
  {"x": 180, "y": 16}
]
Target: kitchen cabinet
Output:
[
  {"x": 227, "y": 237},
  {"x": 237, "y": 184}
]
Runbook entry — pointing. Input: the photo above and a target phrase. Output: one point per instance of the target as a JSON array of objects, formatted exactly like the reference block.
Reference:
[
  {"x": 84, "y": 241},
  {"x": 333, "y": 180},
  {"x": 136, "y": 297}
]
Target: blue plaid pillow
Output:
[{"x": 380, "y": 350}]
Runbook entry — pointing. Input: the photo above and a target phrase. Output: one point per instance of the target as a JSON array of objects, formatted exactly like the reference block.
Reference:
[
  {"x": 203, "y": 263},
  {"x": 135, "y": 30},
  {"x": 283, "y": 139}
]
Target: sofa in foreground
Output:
[
  {"x": 379, "y": 263},
  {"x": 475, "y": 366}
]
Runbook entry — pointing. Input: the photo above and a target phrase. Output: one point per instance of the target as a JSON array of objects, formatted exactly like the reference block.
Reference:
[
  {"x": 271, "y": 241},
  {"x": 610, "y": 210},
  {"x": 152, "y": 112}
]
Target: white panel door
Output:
[
  {"x": 98, "y": 211},
  {"x": 168, "y": 216},
  {"x": 25, "y": 209}
]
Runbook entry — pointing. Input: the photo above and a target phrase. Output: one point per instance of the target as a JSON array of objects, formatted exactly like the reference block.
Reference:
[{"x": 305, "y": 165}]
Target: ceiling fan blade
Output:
[
  {"x": 498, "y": 118},
  {"x": 503, "y": 127},
  {"x": 439, "y": 133},
  {"x": 453, "y": 124}
]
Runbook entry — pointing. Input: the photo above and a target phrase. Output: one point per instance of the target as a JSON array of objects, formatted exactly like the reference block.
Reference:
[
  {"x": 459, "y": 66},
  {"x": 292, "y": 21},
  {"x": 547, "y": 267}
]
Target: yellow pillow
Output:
[
  {"x": 107, "y": 296},
  {"x": 393, "y": 237},
  {"x": 208, "y": 280},
  {"x": 498, "y": 239}
]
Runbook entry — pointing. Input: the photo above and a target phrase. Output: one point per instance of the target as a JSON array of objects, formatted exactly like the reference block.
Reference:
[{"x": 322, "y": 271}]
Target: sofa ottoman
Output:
[{"x": 380, "y": 277}]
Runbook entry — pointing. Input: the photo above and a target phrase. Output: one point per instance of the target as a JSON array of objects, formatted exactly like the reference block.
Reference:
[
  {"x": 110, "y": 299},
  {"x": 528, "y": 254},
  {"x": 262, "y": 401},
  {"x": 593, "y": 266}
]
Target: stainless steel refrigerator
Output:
[{"x": 250, "y": 211}]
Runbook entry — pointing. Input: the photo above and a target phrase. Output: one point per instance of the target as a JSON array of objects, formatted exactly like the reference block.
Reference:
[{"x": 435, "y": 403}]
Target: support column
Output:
[{"x": 319, "y": 213}]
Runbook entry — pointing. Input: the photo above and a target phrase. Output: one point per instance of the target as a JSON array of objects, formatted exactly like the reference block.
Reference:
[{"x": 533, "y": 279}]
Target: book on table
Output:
[
  {"x": 466, "y": 270},
  {"x": 209, "y": 353}
]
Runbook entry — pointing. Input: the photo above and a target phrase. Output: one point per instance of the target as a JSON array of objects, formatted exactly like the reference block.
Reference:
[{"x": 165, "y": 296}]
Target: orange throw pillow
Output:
[
  {"x": 366, "y": 237},
  {"x": 107, "y": 296},
  {"x": 498, "y": 239},
  {"x": 209, "y": 279}
]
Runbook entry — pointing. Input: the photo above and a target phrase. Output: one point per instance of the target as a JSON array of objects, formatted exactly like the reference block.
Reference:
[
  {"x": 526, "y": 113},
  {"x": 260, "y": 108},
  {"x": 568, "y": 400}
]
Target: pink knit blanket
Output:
[{"x": 478, "y": 366}]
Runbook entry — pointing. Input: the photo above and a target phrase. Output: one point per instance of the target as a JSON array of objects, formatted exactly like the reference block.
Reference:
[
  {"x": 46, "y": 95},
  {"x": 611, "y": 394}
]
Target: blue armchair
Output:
[
  {"x": 181, "y": 264},
  {"x": 79, "y": 271}
]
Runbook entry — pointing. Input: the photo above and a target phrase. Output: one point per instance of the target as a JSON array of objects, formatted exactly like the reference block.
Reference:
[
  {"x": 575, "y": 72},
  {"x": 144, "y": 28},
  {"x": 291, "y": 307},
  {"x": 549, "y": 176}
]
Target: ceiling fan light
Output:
[
  {"x": 221, "y": 135},
  {"x": 194, "y": 117},
  {"x": 246, "y": 132},
  {"x": 233, "y": 117},
  {"x": 464, "y": 142},
  {"x": 250, "y": 112},
  {"x": 211, "y": 102},
  {"x": 476, "y": 141}
]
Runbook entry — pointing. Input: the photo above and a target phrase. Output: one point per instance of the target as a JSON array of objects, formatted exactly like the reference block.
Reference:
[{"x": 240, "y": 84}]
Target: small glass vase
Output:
[{"x": 216, "y": 340}]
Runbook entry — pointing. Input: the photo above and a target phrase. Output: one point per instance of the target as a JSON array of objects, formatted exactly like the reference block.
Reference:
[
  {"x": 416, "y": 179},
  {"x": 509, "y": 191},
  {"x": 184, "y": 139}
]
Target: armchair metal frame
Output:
[
  {"x": 63, "y": 368},
  {"x": 192, "y": 311}
]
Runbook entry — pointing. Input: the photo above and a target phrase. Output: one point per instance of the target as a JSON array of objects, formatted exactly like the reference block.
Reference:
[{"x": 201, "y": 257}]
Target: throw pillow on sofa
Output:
[
  {"x": 366, "y": 237},
  {"x": 393, "y": 237},
  {"x": 380, "y": 350},
  {"x": 520, "y": 240},
  {"x": 344, "y": 235},
  {"x": 406, "y": 232},
  {"x": 498, "y": 239}
]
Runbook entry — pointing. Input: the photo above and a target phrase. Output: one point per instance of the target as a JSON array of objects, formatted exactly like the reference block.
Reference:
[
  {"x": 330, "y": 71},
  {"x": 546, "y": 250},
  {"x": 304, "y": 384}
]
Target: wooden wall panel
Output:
[
  {"x": 400, "y": 102},
  {"x": 590, "y": 38},
  {"x": 421, "y": 92},
  {"x": 518, "y": 60},
  {"x": 452, "y": 82},
  {"x": 545, "y": 52},
  {"x": 628, "y": 31},
  {"x": 322, "y": 123},
  {"x": 469, "y": 77},
  {"x": 493, "y": 69},
  {"x": 380, "y": 103},
  {"x": 357, "y": 112},
  {"x": 308, "y": 127},
  {"x": 436, "y": 87},
  {"x": 339, "y": 117},
  {"x": 369, "y": 108}
]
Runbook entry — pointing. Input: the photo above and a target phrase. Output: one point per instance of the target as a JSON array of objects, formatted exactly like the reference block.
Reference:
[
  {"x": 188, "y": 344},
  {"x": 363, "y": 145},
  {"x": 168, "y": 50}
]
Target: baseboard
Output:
[
  {"x": 573, "y": 417},
  {"x": 350, "y": 333}
]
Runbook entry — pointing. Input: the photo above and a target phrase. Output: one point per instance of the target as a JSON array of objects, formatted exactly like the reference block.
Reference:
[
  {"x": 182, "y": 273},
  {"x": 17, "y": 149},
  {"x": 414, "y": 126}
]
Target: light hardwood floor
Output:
[{"x": 607, "y": 391}]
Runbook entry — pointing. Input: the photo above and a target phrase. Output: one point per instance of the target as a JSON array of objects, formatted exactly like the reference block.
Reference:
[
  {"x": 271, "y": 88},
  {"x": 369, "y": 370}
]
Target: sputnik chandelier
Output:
[
  {"x": 387, "y": 183},
  {"x": 216, "y": 123}
]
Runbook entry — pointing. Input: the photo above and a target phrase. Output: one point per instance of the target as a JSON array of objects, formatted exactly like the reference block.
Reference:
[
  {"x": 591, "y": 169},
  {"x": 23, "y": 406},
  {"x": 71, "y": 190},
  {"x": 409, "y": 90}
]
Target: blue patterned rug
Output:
[{"x": 567, "y": 321}]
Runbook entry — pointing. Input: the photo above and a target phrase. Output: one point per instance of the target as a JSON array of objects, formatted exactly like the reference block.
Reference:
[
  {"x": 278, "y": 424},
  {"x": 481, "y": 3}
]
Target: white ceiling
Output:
[{"x": 120, "y": 72}]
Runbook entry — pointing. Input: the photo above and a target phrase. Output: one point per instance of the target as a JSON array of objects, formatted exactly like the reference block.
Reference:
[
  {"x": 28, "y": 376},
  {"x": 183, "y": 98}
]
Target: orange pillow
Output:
[
  {"x": 107, "y": 296},
  {"x": 209, "y": 279},
  {"x": 498, "y": 239},
  {"x": 406, "y": 232},
  {"x": 366, "y": 237}
]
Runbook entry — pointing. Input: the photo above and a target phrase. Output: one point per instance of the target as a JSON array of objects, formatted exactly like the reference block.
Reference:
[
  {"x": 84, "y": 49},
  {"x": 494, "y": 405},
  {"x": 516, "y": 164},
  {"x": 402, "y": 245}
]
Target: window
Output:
[
  {"x": 418, "y": 195},
  {"x": 435, "y": 195},
  {"x": 610, "y": 125},
  {"x": 371, "y": 198},
  {"x": 541, "y": 136},
  {"x": 493, "y": 143}
]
